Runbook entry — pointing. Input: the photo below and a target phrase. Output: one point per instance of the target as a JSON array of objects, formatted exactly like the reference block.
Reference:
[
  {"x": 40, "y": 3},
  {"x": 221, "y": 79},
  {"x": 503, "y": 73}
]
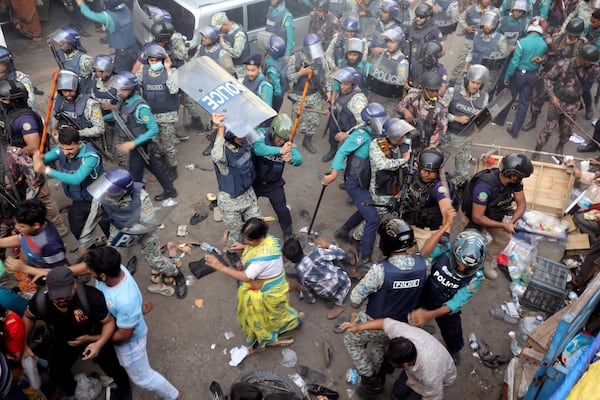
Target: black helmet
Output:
[
  {"x": 322, "y": 5},
  {"x": 162, "y": 30},
  {"x": 395, "y": 235},
  {"x": 431, "y": 160},
  {"x": 6, "y": 58},
  {"x": 470, "y": 249},
  {"x": 12, "y": 90},
  {"x": 590, "y": 54},
  {"x": 575, "y": 27},
  {"x": 431, "y": 80},
  {"x": 516, "y": 164},
  {"x": 433, "y": 49},
  {"x": 424, "y": 10}
]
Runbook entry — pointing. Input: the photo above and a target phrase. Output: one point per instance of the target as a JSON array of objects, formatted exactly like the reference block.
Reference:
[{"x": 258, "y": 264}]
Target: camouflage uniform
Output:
[
  {"x": 26, "y": 81},
  {"x": 324, "y": 28},
  {"x": 565, "y": 81},
  {"x": 150, "y": 247},
  {"x": 236, "y": 210},
  {"x": 449, "y": 143},
  {"x": 177, "y": 49},
  {"x": 337, "y": 57},
  {"x": 93, "y": 113},
  {"x": 582, "y": 11},
  {"x": 110, "y": 134},
  {"x": 236, "y": 48},
  {"x": 499, "y": 53},
  {"x": 166, "y": 121},
  {"x": 419, "y": 108}
]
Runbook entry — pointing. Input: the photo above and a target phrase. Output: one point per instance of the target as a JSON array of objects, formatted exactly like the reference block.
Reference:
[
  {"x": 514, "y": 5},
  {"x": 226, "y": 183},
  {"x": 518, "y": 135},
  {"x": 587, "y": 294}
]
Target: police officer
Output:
[
  {"x": 345, "y": 113},
  {"x": 281, "y": 23},
  {"x": 388, "y": 13},
  {"x": 141, "y": 123},
  {"x": 75, "y": 108},
  {"x": 323, "y": 23},
  {"x": 454, "y": 279},
  {"x": 161, "y": 92},
  {"x": 8, "y": 71},
  {"x": 389, "y": 72},
  {"x": 584, "y": 11},
  {"x": 71, "y": 54},
  {"x": 22, "y": 136},
  {"x": 564, "y": 84},
  {"x": 80, "y": 165},
  {"x": 445, "y": 15},
  {"x": 421, "y": 31},
  {"x": 386, "y": 299},
  {"x": 489, "y": 45},
  {"x": 432, "y": 51},
  {"x": 355, "y": 48},
  {"x": 256, "y": 81},
  {"x": 275, "y": 69},
  {"x": 337, "y": 49},
  {"x": 532, "y": 8},
  {"x": 232, "y": 157},
  {"x": 164, "y": 34},
  {"x": 513, "y": 25},
  {"x": 119, "y": 23},
  {"x": 303, "y": 60},
  {"x": 465, "y": 102},
  {"x": 233, "y": 39},
  {"x": 470, "y": 21},
  {"x": 487, "y": 200},
  {"x": 271, "y": 153},
  {"x": 521, "y": 75},
  {"x": 353, "y": 159},
  {"x": 563, "y": 45},
  {"x": 424, "y": 109},
  {"x": 129, "y": 210},
  {"x": 428, "y": 197}
]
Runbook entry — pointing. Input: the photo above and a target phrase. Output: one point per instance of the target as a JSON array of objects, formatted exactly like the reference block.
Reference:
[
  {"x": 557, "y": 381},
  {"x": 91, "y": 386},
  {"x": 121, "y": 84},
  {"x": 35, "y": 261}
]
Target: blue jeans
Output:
[
  {"x": 137, "y": 165},
  {"x": 133, "y": 357},
  {"x": 359, "y": 196},
  {"x": 520, "y": 85}
]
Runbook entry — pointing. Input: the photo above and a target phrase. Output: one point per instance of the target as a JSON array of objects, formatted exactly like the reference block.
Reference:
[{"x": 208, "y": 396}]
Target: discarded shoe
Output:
[
  {"x": 162, "y": 289},
  {"x": 200, "y": 269},
  {"x": 310, "y": 374},
  {"x": 341, "y": 319},
  {"x": 319, "y": 390},
  {"x": 198, "y": 217},
  {"x": 180, "y": 285},
  {"x": 132, "y": 265},
  {"x": 327, "y": 353},
  {"x": 217, "y": 215},
  {"x": 335, "y": 312}
]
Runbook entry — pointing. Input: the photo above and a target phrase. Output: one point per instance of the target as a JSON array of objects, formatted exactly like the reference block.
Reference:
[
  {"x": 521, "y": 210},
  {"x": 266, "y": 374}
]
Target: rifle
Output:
[
  {"x": 73, "y": 123},
  {"x": 123, "y": 127}
]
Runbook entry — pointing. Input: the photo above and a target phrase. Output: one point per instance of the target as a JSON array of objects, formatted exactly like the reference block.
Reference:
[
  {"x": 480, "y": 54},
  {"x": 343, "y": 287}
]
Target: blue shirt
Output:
[
  {"x": 88, "y": 164},
  {"x": 143, "y": 115},
  {"x": 356, "y": 143},
  {"x": 532, "y": 45},
  {"x": 124, "y": 302}
]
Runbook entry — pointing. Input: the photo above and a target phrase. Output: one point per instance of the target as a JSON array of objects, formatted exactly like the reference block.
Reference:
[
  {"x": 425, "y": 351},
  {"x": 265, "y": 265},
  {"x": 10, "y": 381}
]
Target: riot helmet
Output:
[
  {"x": 396, "y": 35},
  {"x": 350, "y": 24},
  {"x": 67, "y": 80},
  {"x": 390, "y": 7},
  {"x": 239, "y": 128},
  {"x": 13, "y": 90},
  {"x": 322, "y": 5},
  {"x": 354, "y": 44},
  {"x": 478, "y": 73},
  {"x": 6, "y": 58},
  {"x": 489, "y": 18},
  {"x": 590, "y": 54},
  {"x": 424, "y": 10},
  {"x": 66, "y": 35},
  {"x": 276, "y": 47},
  {"x": 162, "y": 30},
  {"x": 431, "y": 80},
  {"x": 516, "y": 164},
  {"x": 281, "y": 126},
  {"x": 469, "y": 249},
  {"x": 519, "y": 5},
  {"x": 210, "y": 32},
  {"x": 114, "y": 4},
  {"x": 154, "y": 50},
  {"x": 347, "y": 75},
  {"x": 432, "y": 49},
  {"x": 103, "y": 62},
  {"x": 575, "y": 27},
  {"x": 124, "y": 80},
  {"x": 395, "y": 236},
  {"x": 112, "y": 185},
  {"x": 374, "y": 115},
  {"x": 396, "y": 128},
  {"x": 312, "y": 46},
  {"x": 536, "y": 24},
  {"x": 431, "y": 160}
]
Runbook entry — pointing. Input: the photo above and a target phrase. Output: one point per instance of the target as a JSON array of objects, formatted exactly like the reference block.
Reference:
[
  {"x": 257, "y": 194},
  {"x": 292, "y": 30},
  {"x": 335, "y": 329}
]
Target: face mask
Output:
[{"x": 156, "y": 67}]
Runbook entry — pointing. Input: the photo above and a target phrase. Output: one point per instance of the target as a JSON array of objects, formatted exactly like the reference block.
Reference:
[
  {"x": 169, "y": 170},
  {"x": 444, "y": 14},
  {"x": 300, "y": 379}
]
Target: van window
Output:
[
  {"x": 256, "y": 15},
  {"x": 298, "y": 8},
  {"x": 183, "y": 20},
  {"x": 235, "y": 14}
]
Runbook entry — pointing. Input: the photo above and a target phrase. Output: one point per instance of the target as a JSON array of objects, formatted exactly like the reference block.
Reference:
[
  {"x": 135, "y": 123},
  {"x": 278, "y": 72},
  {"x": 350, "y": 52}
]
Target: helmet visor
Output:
[
  {"x": 102, "y": 188},
  {"x": 242, "y": 130},
  {"x": 376, "y": 123}
]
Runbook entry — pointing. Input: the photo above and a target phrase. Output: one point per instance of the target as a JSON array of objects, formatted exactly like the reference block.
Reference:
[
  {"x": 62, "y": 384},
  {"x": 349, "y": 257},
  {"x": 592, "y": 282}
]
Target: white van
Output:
[{"x": 190, "y": 15}]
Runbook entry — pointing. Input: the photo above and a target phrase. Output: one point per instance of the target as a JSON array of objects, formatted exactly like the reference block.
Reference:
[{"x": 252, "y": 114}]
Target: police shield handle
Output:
[
  {"x": 48, "y": 112},
  {"x": 299, "y": 112},
  {"x": 217, "y": 91}
]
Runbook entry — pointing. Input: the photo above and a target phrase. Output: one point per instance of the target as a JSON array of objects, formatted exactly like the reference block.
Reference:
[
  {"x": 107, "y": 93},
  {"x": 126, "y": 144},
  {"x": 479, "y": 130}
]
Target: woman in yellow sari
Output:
[{"x": 263, "y": 310}]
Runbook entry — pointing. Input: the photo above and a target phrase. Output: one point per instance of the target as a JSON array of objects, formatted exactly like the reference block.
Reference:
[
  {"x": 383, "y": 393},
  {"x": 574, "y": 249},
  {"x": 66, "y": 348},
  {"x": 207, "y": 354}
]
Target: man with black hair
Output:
[
  {"x": 124, "y": 301},
  {"x": 427, "y": 366},
  {"x": 82, "y": 326}
]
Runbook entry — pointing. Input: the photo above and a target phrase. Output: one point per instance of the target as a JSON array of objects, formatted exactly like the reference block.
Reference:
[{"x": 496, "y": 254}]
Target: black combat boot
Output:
[
  {"x": 211, "y": 142},
  {"x": 307, "y": 144},
  {"x": 560, "y": 148},
  {"x": 180, "y": 287},
  {"x": 588, "y": 148},
  {"x": 536, "y": 156},
  {"x": 329, "y": 156},
  {"x": 589, "y": 113},
  {"x": 369, "y": 387},
  {"x": 194, "y": 124},
  {"x": 531, "y": 124},
  {"x": 167, "y": 194}
]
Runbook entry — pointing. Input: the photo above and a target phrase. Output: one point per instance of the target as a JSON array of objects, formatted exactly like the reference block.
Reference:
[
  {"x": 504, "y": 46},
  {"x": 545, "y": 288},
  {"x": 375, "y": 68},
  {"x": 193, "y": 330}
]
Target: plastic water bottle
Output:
[
  {"x": 514, "y": 269},
  {"x": 473, "y": 341},
  {"x": 514, "y": 344},
  {"x": 589, "y": 196},
  {"x": 208, "y": 248},
  {"x": 526, "y": 326},
  {"x": 352, "y": 376}
]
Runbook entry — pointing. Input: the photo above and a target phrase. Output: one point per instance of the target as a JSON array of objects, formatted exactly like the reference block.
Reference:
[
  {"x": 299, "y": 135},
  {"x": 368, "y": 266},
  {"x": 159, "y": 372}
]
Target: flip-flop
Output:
[
  {"x": 335, "y": 312},
  {"x": 342, "y": 318},
  {"x": 282, "y": 342},
  {"x": 162, "y": 289},
  {"x": 198, "y": 217},
  {"x": 132, "y": 265}
]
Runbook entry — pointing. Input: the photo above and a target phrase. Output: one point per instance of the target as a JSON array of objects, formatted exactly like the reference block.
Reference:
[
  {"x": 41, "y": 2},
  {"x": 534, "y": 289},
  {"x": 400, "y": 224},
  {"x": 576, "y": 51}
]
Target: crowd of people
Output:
[{"x": 395, "y": 117}]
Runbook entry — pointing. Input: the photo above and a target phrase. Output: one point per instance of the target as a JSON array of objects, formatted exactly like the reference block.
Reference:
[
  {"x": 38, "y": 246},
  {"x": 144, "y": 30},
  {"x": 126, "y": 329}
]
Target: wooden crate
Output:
[{"x": 548, "y": 189}]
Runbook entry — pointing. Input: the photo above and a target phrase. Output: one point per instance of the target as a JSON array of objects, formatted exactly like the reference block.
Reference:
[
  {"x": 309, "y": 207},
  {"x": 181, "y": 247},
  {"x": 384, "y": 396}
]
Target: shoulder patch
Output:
[
  {"x": 145, "y": 118},
  {"x": 359, "y": 139},
  {"x": 442, "y": 189},
  {"x": 482, "y": 196},
  {"x": 26, "y": 126}
]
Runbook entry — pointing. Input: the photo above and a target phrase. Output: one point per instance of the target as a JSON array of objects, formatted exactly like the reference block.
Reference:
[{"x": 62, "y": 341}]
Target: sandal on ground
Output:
[
  {"x": 198, "y": 217},
  {"x": 282, "y": 342},
  {"x": 155, "y": 277},
  {"x": 147, "y": 307},
  {"x": 335, "y": 312},
  {"x": 162, "y": 289}
]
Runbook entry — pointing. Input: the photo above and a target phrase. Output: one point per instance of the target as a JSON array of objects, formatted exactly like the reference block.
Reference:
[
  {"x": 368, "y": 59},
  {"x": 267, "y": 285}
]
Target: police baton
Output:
[{"x": 312, "y": 221}]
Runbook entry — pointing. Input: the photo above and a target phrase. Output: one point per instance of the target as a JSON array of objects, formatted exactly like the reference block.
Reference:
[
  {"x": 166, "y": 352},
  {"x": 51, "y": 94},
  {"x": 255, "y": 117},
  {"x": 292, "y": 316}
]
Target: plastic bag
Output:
[
  {"x": 88, "y": 388},
  {"x": 289, "y": 358}
]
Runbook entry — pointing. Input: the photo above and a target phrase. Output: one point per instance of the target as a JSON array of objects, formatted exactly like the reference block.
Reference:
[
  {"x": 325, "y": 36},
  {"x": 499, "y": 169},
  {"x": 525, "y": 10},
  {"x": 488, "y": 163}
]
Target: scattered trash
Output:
[
  {"x": 352, "y": 376},
  {"x": 213, "y": 346},
  {"x": 228, "y": 335},
  {"x": 507, "y": 312},
  {"x": 575, "y": 138},
  {"x": 190, "y": 280},
  {"x": 161, "y": 226},
  {"x": 88, "y": 388},
  {"x": 297, "y": 379},
  {"x": 237, "y": 355},
  {"x": 211, "y": 196},
  {"x": 181, "y": 230},
  {"x": 169, "y": 202},
  {"x": 199, "y": 303},
  {"x": 514, "y": 345},
  {"x": 473, "y": 341},
  {"x": 305, "y": 230},
  {"x": 289, "y": 358},
  {"x": 210, "y": 248},
  {"x": 269, "y": 219}
]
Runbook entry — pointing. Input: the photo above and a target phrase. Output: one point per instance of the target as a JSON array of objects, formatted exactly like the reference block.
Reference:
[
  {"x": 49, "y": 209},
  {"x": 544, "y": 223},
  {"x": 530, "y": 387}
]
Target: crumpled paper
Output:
[{"x": 237, "y": 355}]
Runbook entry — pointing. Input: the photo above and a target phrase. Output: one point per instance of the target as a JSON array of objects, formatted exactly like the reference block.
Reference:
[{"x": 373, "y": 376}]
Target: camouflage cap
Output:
[{"x": 219, "y": 19}]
